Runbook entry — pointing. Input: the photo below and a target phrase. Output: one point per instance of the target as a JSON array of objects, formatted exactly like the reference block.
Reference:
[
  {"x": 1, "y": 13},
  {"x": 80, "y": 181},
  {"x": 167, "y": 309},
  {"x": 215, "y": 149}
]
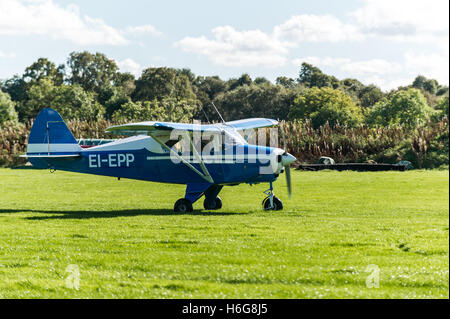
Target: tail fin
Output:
[{"x": 50, "y": 137}]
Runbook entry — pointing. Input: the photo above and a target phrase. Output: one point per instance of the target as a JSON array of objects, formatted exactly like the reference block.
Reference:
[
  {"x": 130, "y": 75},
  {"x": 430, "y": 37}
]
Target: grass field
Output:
[{"x": 127, "y": 243}]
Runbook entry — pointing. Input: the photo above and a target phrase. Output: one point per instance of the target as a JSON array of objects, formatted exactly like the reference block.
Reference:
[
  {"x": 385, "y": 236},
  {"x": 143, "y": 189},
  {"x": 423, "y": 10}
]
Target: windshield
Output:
[{"x": 232, "y": 137}]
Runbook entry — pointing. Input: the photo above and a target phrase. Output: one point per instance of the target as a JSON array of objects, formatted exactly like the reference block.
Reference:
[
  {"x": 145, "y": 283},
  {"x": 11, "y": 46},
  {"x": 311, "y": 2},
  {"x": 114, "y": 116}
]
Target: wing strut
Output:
[{"x": 206, "y": 176}]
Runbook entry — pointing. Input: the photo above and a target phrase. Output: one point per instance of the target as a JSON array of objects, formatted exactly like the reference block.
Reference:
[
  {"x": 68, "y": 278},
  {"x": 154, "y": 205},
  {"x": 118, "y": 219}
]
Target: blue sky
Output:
[{"x": 386, "y": 42}]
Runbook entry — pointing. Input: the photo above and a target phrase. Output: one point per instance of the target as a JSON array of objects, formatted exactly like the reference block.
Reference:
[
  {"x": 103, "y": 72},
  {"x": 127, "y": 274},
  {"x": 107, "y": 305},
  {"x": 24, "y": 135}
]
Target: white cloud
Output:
[
  {"x": 386, "y": 74},
  {"x": 237, "y": 48},
  {"x": 326, "y": 61},
  {"x": 398, "y": 20},
  {"x": 316, "y": 28},
  {"x": 5, "y": 55},
  {"x": 143, "y": 30},
  {"x": 432, "y": 65},
  {"x": 387, "y": 83},
  {"x": 354, "y": 68},
  {"x": 128, "y": 65},
  {"x": 375, "y": 71},
  {"x": 374, "y": 66},
  {"x": 43, "y": 17},
  {"x": 404, "y": 20},
  {"x": 231, "y": 47}
]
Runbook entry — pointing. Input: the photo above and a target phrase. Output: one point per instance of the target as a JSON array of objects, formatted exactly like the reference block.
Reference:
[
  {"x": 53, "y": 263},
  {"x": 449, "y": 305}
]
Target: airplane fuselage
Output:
[
  {"x": 204, "y": 158},
  {"x": 141, "y": 158}
]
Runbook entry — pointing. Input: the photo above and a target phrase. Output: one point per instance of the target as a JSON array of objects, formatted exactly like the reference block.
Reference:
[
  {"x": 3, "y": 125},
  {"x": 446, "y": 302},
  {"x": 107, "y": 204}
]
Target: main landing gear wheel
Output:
[
  {"x": 277, "y": 204},
  {"x": 213, "y": 204},
  {"x": 183, "y": 206}
]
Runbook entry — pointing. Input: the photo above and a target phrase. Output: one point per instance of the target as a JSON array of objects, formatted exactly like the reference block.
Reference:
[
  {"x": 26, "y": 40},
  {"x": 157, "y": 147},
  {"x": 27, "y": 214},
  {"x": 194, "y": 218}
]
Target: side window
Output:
[
  {"x": 212, "y": 143},
  {"x": 175, "y": 145}
]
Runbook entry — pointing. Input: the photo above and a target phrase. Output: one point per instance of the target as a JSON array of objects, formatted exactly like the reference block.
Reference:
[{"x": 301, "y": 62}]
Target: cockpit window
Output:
[
  {"x": 207, "y": 142},
  {"x": 232, "y": 137}
]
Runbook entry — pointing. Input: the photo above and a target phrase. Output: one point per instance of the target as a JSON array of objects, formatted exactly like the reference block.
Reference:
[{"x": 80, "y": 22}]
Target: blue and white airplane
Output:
[{"x": 204, "y": 157}]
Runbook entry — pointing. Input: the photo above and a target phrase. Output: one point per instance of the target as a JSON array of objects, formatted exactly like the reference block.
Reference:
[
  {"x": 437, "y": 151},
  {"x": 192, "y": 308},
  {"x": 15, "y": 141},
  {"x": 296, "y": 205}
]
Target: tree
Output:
[
  {"x": 126, "y": 82},
  {"x": 112, "y": 98},
  {"x": 443, "y": 106},
  {"x": 261, "y": 80},
  {"x": 71, "y": 101},
  {"x": 419, "y": 82},
  {"x": 7, "y": 111},
  {"x": 406, "y": 107},
  {"x": 168, "y": 109},
  {"x": 39, "y": 96},
  {"x": 16, "y": 87},
  {"x": 442, "y": 90},
  {"x": 311, "y": 76},
  {"x": 188, "y": 73},
  {"x": 286, "y": 82},
  {"x": 264, "y": 100},
  {"x": 157, "y": 83},
  {"x": 429, "y": 85},
  {"x": 244, "y": 79},
  {"x": 206, "y": 89},
  {"x": 211, "y": 85},
  {"x": 370, "y": 95},
  {"x": 180, "y": 110},
  {"x": 139, "y": 111},
  {"x": 91, "y": 71},
  {"x": 352, "y": 87},
  {"x": 323, "y": 105},
  {"x": 43, "y": 68}
]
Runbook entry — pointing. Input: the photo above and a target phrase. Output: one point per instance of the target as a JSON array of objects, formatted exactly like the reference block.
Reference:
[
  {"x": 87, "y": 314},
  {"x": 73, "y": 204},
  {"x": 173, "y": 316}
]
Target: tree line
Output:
[{"x": 90, "y": 87}]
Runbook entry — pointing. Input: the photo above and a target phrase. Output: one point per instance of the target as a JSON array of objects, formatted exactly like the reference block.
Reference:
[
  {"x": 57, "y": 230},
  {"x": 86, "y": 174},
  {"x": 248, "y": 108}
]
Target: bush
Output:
[
  {"x": 442, "y": 106},
  {"x": 325, "y": 105},
  {"x": 7, "y": 110},
  {"x": 405, "y": 107},
  {"x": 424, "y": 146}
]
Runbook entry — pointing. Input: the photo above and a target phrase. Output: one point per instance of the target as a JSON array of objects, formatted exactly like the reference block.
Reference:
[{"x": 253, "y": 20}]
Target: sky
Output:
[{"x": 384, "y": 42}]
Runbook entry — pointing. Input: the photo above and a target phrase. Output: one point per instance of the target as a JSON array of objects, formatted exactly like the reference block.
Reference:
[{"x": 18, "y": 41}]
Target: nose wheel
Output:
[
  {"x": 276, "y": 203},
  {"x": 271, "y": 202}
]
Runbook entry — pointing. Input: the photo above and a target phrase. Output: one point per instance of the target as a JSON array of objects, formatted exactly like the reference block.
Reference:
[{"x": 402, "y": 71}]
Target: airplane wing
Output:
[
  {"x": 160, "y": 127},
  {"x": 252, "y": 123},
  {"x": 157, "y": 128}
]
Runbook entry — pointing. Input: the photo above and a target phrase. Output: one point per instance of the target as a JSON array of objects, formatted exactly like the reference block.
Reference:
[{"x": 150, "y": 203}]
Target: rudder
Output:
[{"x": 51, "y": 136}]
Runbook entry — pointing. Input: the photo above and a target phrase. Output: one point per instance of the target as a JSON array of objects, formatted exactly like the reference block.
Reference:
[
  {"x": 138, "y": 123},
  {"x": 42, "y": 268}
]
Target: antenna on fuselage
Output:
[
  {"x": 223, "y": 121},
  {"x": 206, "y": 116}
]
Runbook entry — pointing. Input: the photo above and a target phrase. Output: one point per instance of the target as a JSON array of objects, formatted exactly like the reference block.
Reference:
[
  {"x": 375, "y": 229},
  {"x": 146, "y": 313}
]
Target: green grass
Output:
[{"x": 128, "y": 243}]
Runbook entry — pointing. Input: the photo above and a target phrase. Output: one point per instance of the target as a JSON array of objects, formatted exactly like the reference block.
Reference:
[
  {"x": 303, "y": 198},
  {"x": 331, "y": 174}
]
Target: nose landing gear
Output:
[{"x": 271, "y": 202}]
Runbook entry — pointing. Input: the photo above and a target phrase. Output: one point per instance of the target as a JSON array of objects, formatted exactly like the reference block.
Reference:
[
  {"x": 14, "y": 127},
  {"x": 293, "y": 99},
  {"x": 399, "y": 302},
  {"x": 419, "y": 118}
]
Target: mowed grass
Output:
[{"x": 127, "y": 243}]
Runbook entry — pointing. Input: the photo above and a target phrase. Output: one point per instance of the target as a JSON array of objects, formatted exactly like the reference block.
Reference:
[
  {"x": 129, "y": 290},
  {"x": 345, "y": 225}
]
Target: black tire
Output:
[
  {"x": 277, "y": 204},
  {"x": 213, "y": 205},
  {"x": 183, "y": 206}
]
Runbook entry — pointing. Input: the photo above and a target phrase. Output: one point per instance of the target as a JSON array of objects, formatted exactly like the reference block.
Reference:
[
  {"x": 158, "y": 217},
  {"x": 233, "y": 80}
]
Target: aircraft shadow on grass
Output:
[{"x": 84, "y": 214}]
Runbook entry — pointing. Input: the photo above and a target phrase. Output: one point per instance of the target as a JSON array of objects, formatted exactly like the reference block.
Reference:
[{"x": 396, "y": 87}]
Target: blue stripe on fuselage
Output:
[{"x": 145, "y": 165}]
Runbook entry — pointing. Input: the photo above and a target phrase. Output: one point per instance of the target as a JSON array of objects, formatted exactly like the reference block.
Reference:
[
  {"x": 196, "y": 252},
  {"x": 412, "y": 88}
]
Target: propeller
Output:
[{"x": 286, "y": 160}]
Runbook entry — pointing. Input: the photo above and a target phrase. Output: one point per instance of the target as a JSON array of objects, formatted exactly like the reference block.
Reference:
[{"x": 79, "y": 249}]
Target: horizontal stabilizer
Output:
[{"x": 51, "y": 156}]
